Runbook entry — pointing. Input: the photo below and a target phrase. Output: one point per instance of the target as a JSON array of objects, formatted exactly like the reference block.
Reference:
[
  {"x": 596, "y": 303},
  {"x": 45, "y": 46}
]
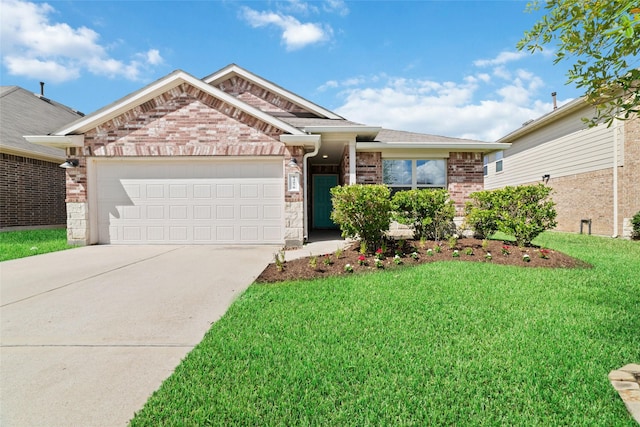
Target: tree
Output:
[{"x": 602, "y": 39}]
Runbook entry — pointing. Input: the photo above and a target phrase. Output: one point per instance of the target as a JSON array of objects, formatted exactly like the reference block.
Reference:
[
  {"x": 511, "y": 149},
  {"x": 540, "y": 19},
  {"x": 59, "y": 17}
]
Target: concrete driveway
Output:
[{"x": 88, "y": 334}]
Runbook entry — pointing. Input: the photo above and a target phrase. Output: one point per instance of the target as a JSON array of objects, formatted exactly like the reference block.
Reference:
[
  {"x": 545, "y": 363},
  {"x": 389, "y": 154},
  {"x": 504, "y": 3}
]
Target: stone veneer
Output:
[{"x": 626, "y": 381}]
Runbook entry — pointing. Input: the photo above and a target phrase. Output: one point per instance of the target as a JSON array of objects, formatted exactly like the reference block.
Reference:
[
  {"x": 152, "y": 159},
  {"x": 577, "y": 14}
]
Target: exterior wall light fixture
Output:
[{"x": 70, "y": 163}]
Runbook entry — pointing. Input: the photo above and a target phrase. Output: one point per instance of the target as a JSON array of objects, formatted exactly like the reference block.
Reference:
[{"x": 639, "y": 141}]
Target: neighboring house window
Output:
[
  {"x": 411, "y": 174},
  {"x": 499, "y": 161},
  {"x": 485, "y": 167}
]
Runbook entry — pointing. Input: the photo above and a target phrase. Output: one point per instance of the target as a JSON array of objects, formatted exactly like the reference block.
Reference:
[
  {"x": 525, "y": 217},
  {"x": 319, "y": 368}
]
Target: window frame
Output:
[
  {"x": 499, "y": 161},
  {"x": 414, "y": 175}
]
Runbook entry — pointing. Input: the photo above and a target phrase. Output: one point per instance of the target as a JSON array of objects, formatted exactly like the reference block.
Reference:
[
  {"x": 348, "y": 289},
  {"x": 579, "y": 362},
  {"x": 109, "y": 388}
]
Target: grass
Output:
[
  {"x": 438, "y": 344},
  {"x": 20, "y": 244}
]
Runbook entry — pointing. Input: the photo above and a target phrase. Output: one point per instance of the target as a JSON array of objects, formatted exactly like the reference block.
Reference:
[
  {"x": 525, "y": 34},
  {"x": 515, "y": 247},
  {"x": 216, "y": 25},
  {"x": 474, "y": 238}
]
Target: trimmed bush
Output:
[
  {"x": 362, "y": 211},
  {"x": 635, "y": 222},
  {"x": 522, "y": 212},
  {"x": 429, "y": 212},
  {"x": 481, "y": 215}
]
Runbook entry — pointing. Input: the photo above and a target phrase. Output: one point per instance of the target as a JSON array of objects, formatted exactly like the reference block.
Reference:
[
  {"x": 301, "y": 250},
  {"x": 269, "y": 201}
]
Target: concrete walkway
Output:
[
  {"x": 88, "y": 334},
  {"x": 319, "y": 243}
]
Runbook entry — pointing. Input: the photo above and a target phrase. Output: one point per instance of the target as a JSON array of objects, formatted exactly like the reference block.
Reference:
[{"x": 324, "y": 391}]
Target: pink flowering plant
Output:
[{"x": 544, "y": 253}]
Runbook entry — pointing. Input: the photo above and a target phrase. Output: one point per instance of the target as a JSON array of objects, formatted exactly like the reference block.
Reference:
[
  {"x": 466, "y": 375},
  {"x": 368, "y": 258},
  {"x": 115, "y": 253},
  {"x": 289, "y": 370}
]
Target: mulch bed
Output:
[{"x": 302, "y": 269}]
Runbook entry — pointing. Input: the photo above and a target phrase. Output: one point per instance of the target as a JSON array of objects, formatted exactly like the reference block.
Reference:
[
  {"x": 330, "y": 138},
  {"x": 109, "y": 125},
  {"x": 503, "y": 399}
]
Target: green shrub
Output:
[
  {"x": 362, "y": 211},
  {"x": 525, "y": 211},
  {"x": 522, "y": 212},
  {"x": 429, "y": 212},
  {"x": 481, "y": 215},
  {"x": 635, "y": 222}
]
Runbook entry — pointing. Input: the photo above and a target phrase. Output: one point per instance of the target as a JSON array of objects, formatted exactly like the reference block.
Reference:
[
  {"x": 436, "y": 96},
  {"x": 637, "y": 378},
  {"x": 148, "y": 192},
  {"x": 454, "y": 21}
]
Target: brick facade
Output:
[
  {"x": 368, "y": 168},
  {"x": 258, "y": 96},
  {"x": 32, "y": 192},
  {"x": 574, "y": 203},
  {"x": 464, "y": 176},
  {"x": 589, "y": 196},
  {"x": 629, "y": 176},
  {"x": 183, "y": 121}
]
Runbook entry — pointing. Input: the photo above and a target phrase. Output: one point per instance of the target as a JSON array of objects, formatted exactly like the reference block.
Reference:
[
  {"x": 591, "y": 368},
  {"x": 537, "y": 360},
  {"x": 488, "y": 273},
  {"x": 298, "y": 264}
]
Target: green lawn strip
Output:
[
  {"x": 439, "y": 344},
  {"x": 20, "y": 244}
]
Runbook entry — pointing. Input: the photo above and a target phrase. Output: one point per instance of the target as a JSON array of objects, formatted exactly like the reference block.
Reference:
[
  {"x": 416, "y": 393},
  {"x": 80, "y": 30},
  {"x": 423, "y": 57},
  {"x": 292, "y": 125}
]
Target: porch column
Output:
[{"x": 352, "y": 162}]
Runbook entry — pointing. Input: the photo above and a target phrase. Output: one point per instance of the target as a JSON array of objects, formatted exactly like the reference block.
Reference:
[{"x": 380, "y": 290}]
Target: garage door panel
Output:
[{"x": 181, "y": 203}]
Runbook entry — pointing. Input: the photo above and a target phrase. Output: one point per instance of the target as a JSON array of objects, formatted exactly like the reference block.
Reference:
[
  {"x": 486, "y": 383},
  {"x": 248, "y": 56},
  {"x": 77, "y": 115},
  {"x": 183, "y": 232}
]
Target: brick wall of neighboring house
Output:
[
  {"x": 31, "y": 193},
  {"x": 584, "y": 196},
  {"x": 629, "y": 175},
  {"x": 464, "y": 176}
]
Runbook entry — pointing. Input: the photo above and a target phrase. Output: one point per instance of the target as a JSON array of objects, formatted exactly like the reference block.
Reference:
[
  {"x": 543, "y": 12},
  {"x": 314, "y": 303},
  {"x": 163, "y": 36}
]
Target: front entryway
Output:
[{"x": 322, "y": 206}]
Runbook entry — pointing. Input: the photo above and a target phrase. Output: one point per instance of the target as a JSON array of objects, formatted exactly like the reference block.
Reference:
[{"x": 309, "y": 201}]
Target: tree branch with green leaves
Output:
[{"x": 601, "y": 40}]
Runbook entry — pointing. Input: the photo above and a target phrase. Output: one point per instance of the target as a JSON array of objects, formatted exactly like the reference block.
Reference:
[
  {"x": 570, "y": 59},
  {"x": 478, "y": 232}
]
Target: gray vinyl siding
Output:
[{"x": 557, "y": 150}]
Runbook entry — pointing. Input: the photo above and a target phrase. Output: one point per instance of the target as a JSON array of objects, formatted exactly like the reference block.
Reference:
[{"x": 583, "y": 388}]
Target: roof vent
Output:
[
  {"x": 41, "y": 88},
  {"x": 555, "y": 103},
  {"x": 527, "y": 122}
]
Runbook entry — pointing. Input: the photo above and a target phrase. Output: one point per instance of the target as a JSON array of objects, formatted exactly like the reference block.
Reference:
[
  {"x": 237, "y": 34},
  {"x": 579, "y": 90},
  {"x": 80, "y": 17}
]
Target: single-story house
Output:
[
  {"x": 236, "y": 159},
  {"x": 32, "y": 189},
  {"x": 594, "y": 171}
]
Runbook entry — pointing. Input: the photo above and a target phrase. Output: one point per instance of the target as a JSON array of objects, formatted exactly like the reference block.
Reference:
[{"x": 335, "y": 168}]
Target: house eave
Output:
[
  {"x": 308, "y": 141},
  {"x": 358, "y": 131},
  {"x": 479, "y": 147},
  {"x": 56, "y": 141},
  {"x": 557, "y": 114},
  {"x": 31, "y": 154}
]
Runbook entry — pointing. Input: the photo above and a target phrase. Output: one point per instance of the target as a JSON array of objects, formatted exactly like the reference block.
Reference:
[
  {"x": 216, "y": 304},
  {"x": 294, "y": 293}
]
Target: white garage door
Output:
[{"x": 194, "y": 202}]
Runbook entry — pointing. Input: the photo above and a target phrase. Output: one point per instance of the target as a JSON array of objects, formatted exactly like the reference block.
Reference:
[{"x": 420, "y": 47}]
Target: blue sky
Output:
[{"x": 440, "y": 67}]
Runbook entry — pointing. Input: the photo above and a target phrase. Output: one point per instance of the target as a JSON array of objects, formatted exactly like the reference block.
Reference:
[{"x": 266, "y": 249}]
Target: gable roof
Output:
[
  {"x": 159, "y": 87},
  {"x": 23, "y": 112},
  {"x": 232, "y": 70}
]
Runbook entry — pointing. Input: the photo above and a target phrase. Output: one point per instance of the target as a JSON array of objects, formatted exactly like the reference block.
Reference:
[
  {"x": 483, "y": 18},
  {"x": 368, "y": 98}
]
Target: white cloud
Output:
[
  {"x": 476, "y": 108},
  {"x": 502, "y": 58},
  {"x": 35, "y": 47},
  {"x": 336, "y": 6},
  {"x": 295, "y": 34}
]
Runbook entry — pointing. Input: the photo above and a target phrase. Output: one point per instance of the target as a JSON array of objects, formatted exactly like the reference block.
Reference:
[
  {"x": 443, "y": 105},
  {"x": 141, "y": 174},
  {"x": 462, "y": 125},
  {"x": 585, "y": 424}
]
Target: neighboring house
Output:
[
  {"x": 32, "y": 186},
  {"x": 594, "y": 172},
  {"x": 234, "y": 158}
]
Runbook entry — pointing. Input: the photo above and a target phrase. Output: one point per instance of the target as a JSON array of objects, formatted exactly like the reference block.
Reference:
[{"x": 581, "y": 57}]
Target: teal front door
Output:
[{"x": 322, "y": 200}]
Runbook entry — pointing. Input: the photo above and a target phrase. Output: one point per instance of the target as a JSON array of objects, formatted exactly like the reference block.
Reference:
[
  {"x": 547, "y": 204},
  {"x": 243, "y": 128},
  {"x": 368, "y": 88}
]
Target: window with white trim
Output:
[
  {"x": 485, "y": 166},
  {"x": 411, "y": 174},
  {"x": 499, "y": 155}
]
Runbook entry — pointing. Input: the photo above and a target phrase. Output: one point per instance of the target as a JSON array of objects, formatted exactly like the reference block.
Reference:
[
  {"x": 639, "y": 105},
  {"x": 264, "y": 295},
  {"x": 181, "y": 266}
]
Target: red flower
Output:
[
  {"x": 361, "y": 258},
  {"x": 379, "y": 251}
]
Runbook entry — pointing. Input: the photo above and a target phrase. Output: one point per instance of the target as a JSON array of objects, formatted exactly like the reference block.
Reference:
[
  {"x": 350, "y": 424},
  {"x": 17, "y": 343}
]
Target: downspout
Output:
[
  {"x": 615, "y": 179},
  {"x": 305, "y": 215}
]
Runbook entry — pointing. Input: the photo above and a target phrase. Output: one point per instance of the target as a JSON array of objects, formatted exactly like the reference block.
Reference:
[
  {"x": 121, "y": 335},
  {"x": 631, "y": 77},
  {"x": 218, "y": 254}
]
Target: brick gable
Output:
[
  {"x": 184, "y": 122},
  {"x": 238, "y": 87}
]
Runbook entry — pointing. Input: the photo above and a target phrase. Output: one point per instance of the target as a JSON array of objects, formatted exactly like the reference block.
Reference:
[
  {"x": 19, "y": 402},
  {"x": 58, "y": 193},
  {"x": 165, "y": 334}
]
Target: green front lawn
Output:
[
  {"x": 439, "y": 344},
  {"x": 20, "y": 244}
]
